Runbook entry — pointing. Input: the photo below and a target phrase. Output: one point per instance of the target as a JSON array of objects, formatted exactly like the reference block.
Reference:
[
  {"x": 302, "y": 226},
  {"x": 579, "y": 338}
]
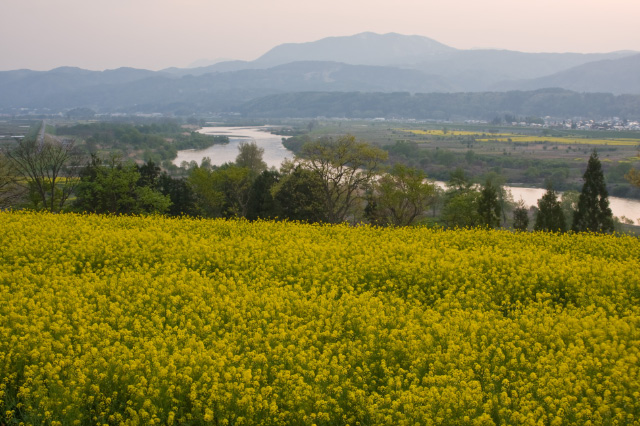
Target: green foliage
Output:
[
  {"x": 183, "y": 201},
  {"x": 550, "y": 216},
  {"x": 345, "y": 167},
  {"x": 250, "y": 157},
  {"x": 593, "y": 212},
  {"x": 489, "y": 208},
  {"x": 209, "y": 198},
  {"x": 461, "y": 201},
  {"x": 569, "y": 204},
  {"x": 157, "y": 141},
  {"x": 461, "y": 209},
  {"x": 221, "y": 192},
  {"x": 118, "y": 188},
  {"x": 300, "y": 195},
  {"x": 520, "y": 217},
  {"x": 262, "y": 204},
  {"x": 400, "y": 197}
]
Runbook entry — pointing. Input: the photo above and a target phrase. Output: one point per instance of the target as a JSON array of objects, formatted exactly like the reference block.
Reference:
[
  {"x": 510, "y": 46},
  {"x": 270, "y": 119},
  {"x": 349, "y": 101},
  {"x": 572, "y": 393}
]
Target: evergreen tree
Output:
[
  {"x": 520, "y": 217},
  {"x": 593, "y": 213},
  {"x": 550, "y": 216},
  {"x": 261, "y": 204},
  {"x": 489, "y": 206}
]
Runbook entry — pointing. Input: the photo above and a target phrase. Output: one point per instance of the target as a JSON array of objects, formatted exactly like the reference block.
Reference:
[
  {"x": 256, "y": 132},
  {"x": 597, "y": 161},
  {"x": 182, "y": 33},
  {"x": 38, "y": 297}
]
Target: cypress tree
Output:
[
  {"x": 489, "y": 206},
  {"x": 520, "y": 217},
  {"x": 550, "y": 216},
  {"x": 593, "y": 213}
]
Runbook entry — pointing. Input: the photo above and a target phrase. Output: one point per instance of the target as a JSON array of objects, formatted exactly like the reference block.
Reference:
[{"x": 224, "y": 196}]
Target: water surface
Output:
[{"x": 275, "y": 153}]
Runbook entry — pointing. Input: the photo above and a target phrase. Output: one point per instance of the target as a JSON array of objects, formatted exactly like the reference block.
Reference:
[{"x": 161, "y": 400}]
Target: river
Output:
[{"x": 275, "y": 153}]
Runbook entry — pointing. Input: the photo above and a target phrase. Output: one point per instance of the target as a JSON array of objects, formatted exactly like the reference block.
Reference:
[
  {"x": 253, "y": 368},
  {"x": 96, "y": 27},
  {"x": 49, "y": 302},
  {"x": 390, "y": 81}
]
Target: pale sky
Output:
[{"x": 155, "y": 34}]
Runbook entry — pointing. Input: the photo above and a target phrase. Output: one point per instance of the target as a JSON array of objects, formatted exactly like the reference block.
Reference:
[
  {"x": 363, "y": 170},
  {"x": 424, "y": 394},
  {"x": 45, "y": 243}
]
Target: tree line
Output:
[{"x": 332, "y": 180}]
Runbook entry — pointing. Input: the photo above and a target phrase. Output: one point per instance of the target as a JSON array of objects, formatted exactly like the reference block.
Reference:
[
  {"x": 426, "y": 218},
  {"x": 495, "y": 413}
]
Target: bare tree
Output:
[
  {"x": 10, "y": 191},
  {"x": 48, "y": 168}
]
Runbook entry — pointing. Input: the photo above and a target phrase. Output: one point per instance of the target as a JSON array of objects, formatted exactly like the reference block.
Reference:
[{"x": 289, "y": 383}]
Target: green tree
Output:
[
  {"x": 209, "y": 197},
  {"x": 261, "y": 201},
  {"x": 461, "y": 210},
  {"x": 182, "y": 198},
  {"x": 593, "y": 212},
  {"x": 461, "y": 201},
  {"x": 250, "y": 157},
  {"x": 114, "y": 187},
  {"x": 489, "y": 208},
  {"x": 569, "y": 204},
  {"x": 346, "y": 168},
  {"x": 300, "y": 196},
  {"x": 520, "y": 217},
  {"x": 549, "y": 216},
  {"x": 235, "y": 183},
  {"x": 222, "y": 192},
  {"x": 401, "y": 196}
]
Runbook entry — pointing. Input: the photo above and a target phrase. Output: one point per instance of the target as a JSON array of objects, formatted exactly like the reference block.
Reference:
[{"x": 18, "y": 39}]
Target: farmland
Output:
[
  {"x": 150, "y": 320},
  {"x": 522, "y": 155}
]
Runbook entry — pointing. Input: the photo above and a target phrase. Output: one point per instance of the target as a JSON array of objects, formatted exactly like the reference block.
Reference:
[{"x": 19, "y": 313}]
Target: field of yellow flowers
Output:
[
  {"x": 150, "y": 320},
  {"x": 516, "y": 137}
]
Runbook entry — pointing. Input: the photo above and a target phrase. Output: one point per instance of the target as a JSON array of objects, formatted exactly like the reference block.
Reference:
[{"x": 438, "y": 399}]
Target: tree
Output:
[
  {"x": 10, "y": 191},
  {"x": 209, "y": 198},
  {"x": 149, "y": 174},
  {"x": 117, "y": 188},
  {"x": 261, "y": 201},
  {"x": 460, "y": 201},
  {"x": 300, "y": 196},
  {"x": 49, "y": 168},
  {"x": 593, "y": 212},
  {"x": 549, "y": 216},
  {"x": 345, "y": 167},
  {"x": 182, "y": 198},
  {"x": 489, "y": 205},
  {"x": 520, "y": 217},
  {"x": 400, "y": 196},
  {"x": 235, "y": 183},
  {"x": 461, "y": 209},
  {"x": 633, "y": 176},
  {"x": 250, "y": 157},
  {"x": 569, "y": 204}
]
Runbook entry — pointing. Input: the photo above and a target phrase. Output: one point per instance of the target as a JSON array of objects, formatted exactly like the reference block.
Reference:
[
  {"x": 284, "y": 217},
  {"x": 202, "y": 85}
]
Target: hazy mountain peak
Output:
[{"x": 365, "y": 48}]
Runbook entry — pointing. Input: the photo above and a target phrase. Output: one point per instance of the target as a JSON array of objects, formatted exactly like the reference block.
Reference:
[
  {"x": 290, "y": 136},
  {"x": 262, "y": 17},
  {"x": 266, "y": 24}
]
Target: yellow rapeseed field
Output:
[
  {"x": 150, "y": 320},
  {"x": 516, "y": 137}
]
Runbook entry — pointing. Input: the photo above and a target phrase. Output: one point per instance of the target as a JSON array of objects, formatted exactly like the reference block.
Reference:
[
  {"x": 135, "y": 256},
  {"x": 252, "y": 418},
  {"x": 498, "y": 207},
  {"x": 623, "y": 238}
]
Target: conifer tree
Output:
[
  {"x": 593, "y": 213},
  {"x": 489, "y": 206},
  {"x": 550, "y": 216},
  {"x": 520, "y": 217}
]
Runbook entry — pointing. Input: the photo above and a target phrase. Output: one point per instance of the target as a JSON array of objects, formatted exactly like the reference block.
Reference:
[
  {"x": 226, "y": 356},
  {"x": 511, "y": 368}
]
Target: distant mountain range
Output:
[{"x": 364, "y": 62}]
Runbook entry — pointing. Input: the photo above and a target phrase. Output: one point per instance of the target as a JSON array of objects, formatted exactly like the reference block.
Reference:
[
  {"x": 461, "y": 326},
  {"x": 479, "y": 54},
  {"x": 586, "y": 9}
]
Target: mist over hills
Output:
[
  {"x": 366, "y": 63},
  {"x": 617, "y": 76}
]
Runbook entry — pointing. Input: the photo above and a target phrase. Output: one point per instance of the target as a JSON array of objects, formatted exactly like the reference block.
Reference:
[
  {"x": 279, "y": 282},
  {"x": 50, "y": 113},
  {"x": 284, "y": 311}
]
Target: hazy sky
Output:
[{"x": 155, "y": 34}]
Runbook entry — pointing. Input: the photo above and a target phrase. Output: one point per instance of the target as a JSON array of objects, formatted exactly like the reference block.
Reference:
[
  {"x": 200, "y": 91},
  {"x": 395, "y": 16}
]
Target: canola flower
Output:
[
  {"x": 151, "y": 320},
  {"x": 516, "y": 137}
]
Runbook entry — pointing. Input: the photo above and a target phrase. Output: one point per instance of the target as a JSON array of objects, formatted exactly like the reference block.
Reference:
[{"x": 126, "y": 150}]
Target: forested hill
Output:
[{"x": 445, "y": 106}]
